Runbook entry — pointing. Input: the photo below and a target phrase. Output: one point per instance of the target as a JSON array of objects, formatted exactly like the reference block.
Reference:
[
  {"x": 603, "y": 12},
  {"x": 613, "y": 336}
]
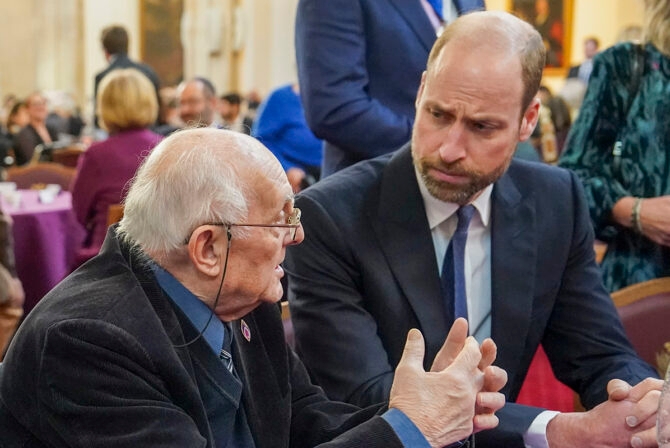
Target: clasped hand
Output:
[
  {"x": 626, "y": 419},
  {"x": 459, "y": 395}
]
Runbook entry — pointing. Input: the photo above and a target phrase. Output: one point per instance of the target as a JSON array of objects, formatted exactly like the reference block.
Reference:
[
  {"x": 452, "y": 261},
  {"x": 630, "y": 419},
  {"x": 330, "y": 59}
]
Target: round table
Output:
[{"x": 46, "y": 237}]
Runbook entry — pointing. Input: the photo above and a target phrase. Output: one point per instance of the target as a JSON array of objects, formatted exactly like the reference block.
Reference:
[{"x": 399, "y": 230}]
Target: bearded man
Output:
[{"x": 450, "y": 226}]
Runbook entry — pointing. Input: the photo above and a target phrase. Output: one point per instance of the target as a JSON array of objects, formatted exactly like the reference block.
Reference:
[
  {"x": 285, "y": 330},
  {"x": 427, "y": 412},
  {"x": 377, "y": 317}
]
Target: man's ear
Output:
[
  {"x": 207, "y": 248},
  {"x": 529, "y": 119}
]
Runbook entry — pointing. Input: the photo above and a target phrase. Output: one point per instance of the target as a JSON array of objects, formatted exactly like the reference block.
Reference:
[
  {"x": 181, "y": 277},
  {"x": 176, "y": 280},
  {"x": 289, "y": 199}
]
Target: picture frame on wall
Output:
[
  {"x": 160, "y": 39},
  {"x": 553, "y": 19}
]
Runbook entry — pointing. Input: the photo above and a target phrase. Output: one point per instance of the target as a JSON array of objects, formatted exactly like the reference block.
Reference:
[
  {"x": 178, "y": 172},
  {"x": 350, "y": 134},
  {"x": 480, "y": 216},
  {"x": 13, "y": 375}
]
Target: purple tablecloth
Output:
[{"x": 46, "y": 237}]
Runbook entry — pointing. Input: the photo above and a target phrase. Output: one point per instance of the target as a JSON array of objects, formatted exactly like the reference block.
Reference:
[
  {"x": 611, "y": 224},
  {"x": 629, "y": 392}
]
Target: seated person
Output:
[
  {"x": 126, "y": 108},
  {"x": 380, "y": 258},
  {"x": 281, "y": 126},
  {"x": 172, "y": 337},
  {"x": 36, "y": 132}
]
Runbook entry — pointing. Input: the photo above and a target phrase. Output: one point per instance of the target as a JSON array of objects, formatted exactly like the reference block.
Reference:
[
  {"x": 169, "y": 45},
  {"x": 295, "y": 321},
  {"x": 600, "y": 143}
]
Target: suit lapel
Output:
[
  {"x": 258, "y": 360},
  {"x": 398, "y": 214},
  {"x": 418, "y": 21},
  {"x": 513, "y": 261}
]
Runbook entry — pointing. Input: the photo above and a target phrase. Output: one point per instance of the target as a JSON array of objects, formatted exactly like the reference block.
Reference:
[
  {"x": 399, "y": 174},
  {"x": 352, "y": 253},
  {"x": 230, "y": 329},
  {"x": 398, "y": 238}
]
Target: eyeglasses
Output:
[{"x": 292, "y": 222}]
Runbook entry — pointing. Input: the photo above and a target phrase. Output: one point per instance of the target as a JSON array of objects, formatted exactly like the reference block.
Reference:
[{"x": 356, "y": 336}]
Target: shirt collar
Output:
[
  {"x": 438, "y": 211},
  {"x": 195, "y": 309}
]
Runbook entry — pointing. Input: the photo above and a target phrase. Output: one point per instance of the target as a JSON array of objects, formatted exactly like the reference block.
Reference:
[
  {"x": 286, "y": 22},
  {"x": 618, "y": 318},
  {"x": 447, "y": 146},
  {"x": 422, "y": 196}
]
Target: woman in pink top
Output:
[{"x": 127, "y": 106}]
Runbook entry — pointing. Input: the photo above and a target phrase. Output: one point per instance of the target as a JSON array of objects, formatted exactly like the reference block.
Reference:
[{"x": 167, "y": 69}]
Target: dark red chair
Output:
[{"x": 644, "y": 309}]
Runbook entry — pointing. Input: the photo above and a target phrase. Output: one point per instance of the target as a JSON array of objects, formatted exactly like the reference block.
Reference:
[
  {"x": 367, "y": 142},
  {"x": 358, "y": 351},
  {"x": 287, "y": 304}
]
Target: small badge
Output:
[{"x": 245, "y": 331}]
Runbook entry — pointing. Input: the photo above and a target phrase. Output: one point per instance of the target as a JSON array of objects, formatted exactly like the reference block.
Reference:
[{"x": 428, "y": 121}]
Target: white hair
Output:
[{"x": 191, "y": 178}]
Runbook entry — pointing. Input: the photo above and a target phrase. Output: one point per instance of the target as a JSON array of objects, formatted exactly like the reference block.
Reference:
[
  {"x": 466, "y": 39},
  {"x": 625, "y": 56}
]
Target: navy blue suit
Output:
[
  {"x": 366, "y": 274},
  {"x": 359, "y": 66}
]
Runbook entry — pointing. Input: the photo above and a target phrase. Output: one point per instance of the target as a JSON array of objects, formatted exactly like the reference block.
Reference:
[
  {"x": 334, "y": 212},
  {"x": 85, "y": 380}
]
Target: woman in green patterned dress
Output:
[{"x": 620, "y": 148}]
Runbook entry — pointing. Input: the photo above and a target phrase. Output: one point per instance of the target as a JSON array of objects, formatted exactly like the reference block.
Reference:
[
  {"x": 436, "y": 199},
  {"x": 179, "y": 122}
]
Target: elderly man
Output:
[
  {"x": 198, "y": 103},
  {"x": 451, "y": 226},
  {"x": 171, "y": 335}
]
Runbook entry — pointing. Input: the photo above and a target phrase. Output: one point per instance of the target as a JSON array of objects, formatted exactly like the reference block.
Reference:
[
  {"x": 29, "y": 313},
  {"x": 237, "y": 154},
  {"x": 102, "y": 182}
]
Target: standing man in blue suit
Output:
[
  {"x": 359, "y": 67},
  {"x": 375, "y": 262}
]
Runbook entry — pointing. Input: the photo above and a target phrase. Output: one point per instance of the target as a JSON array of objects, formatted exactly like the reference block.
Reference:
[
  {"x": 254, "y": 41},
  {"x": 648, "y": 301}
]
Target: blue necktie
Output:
[
  {"x": 453, "y": 271},
  {"x": 437, "y": 7}
]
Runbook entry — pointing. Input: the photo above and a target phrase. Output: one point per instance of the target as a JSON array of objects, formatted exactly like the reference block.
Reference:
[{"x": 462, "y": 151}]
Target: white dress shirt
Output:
[{"x": 442, "y": 221}]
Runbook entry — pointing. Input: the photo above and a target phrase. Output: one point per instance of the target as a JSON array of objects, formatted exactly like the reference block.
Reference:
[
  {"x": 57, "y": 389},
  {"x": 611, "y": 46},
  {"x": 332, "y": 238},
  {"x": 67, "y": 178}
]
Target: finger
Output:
[
  {"x": 644, "y": 387},
  {"x": 412, "y": 355},
  {"x": 644, "y": 439},
  {"x": 489, "y": 351},
  {"x": 618, "y": 389},
  {"x": 469, "y": 358},
  {"x": 489, "y": 402},
  {"x": 644, "y": 410},
  {"x": 484, "y": 421},
  {"x": 495, "y": 379},
  {"x": 452, "y": 345}
]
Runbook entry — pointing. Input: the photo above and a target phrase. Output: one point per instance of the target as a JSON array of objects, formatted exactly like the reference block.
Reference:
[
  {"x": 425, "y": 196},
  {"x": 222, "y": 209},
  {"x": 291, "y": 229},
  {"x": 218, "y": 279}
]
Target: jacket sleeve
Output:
[
  {"x": 585, "y": 341},
  {"x": 335, "y": 334},
  {"x": 317, "y": 421},
  {"x": 334, "y": 82}
]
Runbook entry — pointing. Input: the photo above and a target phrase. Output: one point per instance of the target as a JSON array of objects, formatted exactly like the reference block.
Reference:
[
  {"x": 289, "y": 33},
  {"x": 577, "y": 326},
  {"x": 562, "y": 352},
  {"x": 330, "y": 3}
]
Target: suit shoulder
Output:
[
  {"x": 539, "y": 176},
  {"x": 350, "y": 185}
]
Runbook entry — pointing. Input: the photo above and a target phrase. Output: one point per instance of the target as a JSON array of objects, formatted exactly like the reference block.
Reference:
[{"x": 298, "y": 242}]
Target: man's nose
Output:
[{"x": 453, "y": 145}]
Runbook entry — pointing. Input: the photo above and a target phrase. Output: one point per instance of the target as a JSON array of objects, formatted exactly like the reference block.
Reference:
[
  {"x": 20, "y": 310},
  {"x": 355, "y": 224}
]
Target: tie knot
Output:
[{"x": 464, "y": 214}]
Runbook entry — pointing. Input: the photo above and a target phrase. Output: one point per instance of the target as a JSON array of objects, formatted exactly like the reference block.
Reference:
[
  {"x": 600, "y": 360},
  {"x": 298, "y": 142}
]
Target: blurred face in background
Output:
[
  {"x": 590, "y": 49},
  {"x": 195, "y": 107},
  {"x": 37, "y": 107},
  {"x": 228, "y": 111}
]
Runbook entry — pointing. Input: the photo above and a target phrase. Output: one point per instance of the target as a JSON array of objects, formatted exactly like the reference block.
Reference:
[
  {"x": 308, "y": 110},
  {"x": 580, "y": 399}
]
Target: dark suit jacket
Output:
[
  {"x": 123, "y": 61},
  {"x": 574, "y": 71},
  {"x": 26, "y": 141},
  {"x": 359, "y": 67},
  {"x": 96, "y": 364},
  {"x": 366, "y": 274}
]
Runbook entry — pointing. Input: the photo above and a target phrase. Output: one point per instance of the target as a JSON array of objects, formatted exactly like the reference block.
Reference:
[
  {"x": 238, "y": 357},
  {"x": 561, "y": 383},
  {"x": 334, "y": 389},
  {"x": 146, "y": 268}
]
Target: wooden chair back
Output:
[
  {"x": 68, "y": 156},
  {"x": 644, "y": 309},
  {"x": 114, "y": 214},
  {"x": 35, "y": 174}
]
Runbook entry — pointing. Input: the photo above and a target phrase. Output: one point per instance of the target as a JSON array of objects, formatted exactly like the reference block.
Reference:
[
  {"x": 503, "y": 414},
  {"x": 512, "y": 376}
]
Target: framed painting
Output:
[
  {"x": 553, "y": 19},
  {"x": 160, "y": 38}
]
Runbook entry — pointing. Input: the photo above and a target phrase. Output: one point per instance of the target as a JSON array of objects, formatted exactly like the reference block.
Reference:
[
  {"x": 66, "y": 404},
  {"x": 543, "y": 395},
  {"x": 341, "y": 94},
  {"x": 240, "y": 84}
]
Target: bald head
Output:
[
  {"x": 192, "y": 177},
  {"x": 500, "y": 34}
]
